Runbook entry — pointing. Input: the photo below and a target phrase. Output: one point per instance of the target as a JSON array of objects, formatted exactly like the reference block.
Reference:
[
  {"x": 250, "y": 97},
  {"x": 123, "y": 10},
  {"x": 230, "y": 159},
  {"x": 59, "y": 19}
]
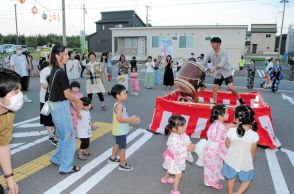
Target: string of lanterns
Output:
[{"x": 52, "y": 17}]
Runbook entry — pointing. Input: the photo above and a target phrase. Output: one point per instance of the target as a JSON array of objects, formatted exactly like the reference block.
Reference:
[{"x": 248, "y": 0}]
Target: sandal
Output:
[
  {"x": 73, "y": 170},
  {"x": 167, "y": 180},
  {"x": 103, "y": 108},
  {"x": 82, "y": 157},
  {"x": 87, "y": 154}
]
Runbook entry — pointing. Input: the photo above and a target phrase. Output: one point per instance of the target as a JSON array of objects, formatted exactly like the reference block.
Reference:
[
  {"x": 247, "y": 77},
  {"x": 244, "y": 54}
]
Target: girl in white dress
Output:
[{"x": 239, "y": 164}]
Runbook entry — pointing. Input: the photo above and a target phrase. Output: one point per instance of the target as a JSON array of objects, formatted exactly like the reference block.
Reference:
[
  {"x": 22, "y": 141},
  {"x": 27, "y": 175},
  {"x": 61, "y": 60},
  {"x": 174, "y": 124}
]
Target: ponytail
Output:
[
  {"x": 168, "y": 129},
  {"x": 254, "y": 126},
  {"x": 240, "y": 130},
  {"x": 217, "y": 110}
]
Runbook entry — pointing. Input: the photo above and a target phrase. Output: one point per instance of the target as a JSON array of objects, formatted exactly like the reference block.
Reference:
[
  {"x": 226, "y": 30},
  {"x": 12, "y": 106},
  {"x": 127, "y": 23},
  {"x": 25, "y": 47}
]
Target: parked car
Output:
[
  {"x": 13, "y": 49},
  {"x": 4, "y": 47}
]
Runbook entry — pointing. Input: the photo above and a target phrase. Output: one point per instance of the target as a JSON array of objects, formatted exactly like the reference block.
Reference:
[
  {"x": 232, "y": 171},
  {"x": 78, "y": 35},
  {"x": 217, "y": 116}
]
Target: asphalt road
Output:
[{"x": 145, "y": 150}]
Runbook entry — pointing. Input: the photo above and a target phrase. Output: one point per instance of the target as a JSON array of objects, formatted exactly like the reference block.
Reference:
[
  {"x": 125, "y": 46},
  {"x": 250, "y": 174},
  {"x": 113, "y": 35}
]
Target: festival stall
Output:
[{"x": 197, "y": 114}]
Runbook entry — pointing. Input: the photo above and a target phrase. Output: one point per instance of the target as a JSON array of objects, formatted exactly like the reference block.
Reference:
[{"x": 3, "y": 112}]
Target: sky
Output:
[{"x": 161, "y": 13}]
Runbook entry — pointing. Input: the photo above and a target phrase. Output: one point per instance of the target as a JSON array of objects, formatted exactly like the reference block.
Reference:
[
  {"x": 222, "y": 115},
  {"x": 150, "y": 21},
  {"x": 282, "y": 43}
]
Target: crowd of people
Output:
[{"x": 70, "y": 116}]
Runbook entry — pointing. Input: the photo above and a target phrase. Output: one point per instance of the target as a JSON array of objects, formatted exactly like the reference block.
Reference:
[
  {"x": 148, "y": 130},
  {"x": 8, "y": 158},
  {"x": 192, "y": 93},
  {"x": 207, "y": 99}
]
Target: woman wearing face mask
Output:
[
  {"x": 60, "y": 98},
  {"x": 11, "y": 100}
]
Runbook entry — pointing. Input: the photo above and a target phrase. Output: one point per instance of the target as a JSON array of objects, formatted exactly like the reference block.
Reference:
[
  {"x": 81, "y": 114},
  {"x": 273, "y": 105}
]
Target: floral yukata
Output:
[
  {"x": 214, "y": 153},
  {"x": 176, "y": 154}
]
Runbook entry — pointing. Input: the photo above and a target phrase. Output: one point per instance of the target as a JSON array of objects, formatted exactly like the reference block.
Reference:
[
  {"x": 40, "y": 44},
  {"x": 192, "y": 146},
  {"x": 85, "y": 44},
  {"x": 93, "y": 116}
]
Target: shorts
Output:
[
  {"x": 46, "y": 120},
  {"x": 24, "y": 82},
  {"x": 121, "y": 141},
  {"x": 85, "y": 142},
  {"x": 229, "y": 173},
  {"x": 227, "y": 80}
]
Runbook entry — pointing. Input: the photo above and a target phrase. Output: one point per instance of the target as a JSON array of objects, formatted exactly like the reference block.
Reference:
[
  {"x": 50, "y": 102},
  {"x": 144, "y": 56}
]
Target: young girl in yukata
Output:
[
  {"x": 134, "y": 82},
  {"x": 178, "y": 150},
  {"x": 75, "y": 114},
  {"x": 239, "y": 164},
  {"x": 215, "y": 148}
]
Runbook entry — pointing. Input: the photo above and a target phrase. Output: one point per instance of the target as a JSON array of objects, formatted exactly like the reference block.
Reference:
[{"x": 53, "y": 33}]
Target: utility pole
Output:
[
  {"x": 280, "y": 42},
  {"x": 84, "y": 17},
  {"x": 147, "y": 15},
  {"x": 16, "y": 24},
  {"x": 63, "y": 24}
]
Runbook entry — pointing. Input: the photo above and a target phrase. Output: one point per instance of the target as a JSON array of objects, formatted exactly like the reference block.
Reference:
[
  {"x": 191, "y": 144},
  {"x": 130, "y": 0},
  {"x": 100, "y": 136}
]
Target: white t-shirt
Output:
[
  {"x": 20, "y": 64},
  {"x": 84, "y": 128},
  {"x": 44, "y": 74},
  {"x": 73, "y": 69},
  {"x": 149, "y": 66},
  {"x": 239, "y": 155}
]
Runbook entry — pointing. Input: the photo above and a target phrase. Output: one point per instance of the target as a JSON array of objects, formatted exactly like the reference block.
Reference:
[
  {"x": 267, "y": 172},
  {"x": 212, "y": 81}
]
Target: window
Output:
[
  {"x": 131, "y": 42},
  {"x": 207, "y": 38},
  {"x": 118, "y": 25},
  {"x": 268, "y": 35},
  {"x": 102, "y": 27},
  {"x": 156, "y": 41},
  {"x": 186, "y": 41}
]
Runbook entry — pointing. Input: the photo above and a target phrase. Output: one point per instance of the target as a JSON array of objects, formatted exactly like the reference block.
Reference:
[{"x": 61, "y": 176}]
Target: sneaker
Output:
[
  {"x": 112, "y": 161},
  {"x": 53, "y": 141},
  {"x": 126, "y": 167},
  {"x": 26, "y": 99}
]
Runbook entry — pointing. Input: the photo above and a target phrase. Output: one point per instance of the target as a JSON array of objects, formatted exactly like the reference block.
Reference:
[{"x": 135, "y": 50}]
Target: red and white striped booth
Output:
[{"x": 198, "y": 114}]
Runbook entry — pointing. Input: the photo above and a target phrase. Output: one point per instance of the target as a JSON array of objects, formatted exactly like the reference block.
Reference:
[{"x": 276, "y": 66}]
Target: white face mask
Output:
[{"x": 16, "y": 102}]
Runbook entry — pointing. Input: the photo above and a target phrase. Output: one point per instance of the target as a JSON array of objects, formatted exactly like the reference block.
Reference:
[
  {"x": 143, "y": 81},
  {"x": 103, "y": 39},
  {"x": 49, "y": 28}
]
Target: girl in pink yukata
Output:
[
  {"x": 178, "y": 150},
  {"x": 75, "y": 114},
  {"x": 215, "y": 148},
  {"x": 134, "y": 81}
]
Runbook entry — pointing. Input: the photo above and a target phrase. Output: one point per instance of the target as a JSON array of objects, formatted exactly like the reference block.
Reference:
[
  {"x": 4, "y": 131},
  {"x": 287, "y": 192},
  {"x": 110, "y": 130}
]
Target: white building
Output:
[
  {"x": 179, "y": 41},
  {"x": 290, "y": 40}
]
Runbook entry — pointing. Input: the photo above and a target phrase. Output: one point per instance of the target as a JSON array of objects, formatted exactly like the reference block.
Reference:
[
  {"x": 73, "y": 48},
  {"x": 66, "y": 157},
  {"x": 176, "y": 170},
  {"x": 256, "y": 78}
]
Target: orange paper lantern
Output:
[{"x": 22, "y": 1}]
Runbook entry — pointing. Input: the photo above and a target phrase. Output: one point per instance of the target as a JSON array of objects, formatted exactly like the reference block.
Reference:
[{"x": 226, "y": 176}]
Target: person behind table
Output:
[
  {"x": 84, "y": 129},
  {"x": 149, "y": 79},
  {"x": 73, "y": 67},
  {"x": 134, "y": 81},
  {"x": 276, "y": 76},
  {"x": 239, "y": 165},
  {"x": 222, "y": 67},
  {"x": 179, "y": 148},
  {"x": 75, "y": 113},
  {"x": 11, "y": 100},
  {"x": 215, "y": 148},
  {"x": 19, "y": 64},
  {"x": 251, "y": 74},
  {"x": 120, "y": 127}
]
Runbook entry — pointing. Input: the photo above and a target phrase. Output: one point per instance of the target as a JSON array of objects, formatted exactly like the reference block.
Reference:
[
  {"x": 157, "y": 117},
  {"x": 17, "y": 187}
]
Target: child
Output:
[
  {"x": 215, "y": 148},
  {"x": 251, "y": 74},
  {"x": 239, "y": 164},
  {"x": 84, "y": 129},
  {"x": 149, "y": 80},
  {"x": 276, "y": 76},
  {"x": 120, "y": 127},
  {"x": 75, "y": 114},
  {"x": 134, "y": 82},
  {"x": 178, "y": 150}
]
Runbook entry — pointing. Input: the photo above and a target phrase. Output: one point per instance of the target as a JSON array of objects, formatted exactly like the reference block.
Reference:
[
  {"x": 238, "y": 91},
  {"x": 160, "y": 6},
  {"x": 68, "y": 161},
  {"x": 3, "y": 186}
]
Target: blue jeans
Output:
[
  {"x": 65, "y": 151},
  {"x": 157, "y": 77}
]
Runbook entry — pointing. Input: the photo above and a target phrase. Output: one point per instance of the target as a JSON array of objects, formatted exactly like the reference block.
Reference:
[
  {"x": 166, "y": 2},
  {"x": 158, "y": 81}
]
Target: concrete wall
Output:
[
  {"x": 233, "y": 39},
  {"x": 263, "y": 42}
]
